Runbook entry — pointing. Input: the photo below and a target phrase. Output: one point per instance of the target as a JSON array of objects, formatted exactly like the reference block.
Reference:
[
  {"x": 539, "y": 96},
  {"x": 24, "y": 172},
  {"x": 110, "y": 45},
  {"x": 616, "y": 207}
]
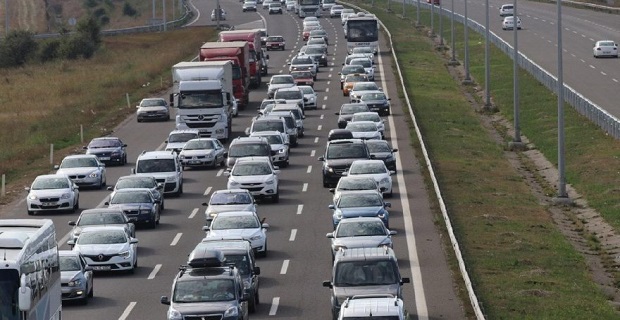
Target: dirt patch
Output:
[{"x": 581, "y": 225}]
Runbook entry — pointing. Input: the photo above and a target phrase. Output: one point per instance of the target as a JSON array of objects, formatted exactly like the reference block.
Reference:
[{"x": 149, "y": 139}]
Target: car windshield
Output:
[
  {"x": 307, "y": 90},
  {"x": 97, "y": 219},
  {"x": 365, "y": 86},
  {"x": 70, "y": 263},
  {"x": 351, "y": 109},
  {"x": 367, "y": 168},
  {"x": 289, "y": 95},
  {"x": 361, "y": 127},
  {"x": 346, "y": 151},
  {"x": 156, "y": 165},
  {"x": 366, "y": 117},
  {"x": 235, "y": 222},
  {"x": 203, "y": 290},
  {"x": 365, "y": 273},
  {"x": 318, "y": 33},
  {"x": 275, "y": 39},
  {"x": 282, "y": 80},
  {"x": 249, "y": 150},
  {"x": 259, "y": 126},
  {"x": 199, "y": 145},
  {"x": 378, "y": 147},
  {"x": 315, "y": 50},
  {"x": 78, "y": 163},
  {"x": 356, "y": 77},
  {"x": 50, "y": 183},
  {"x": 301, "y": 61},
  {"x": 230, "y": 198},
  {"x": 130, "y": 197},
  {"x": 301, "y": 75},
  {"x": 373, "y": 96},
  {"x": 359, "y": 200},
  {"x": 274, "y": 139},
  {"x": 352, "y": 69},
  {"x": 181, "y": 137},
  {"x": 360, "y": 229},
  {"x": 251, "y": 169},
  {"x": 153, "y": 103},
  {"x": 102, "y": 237},
  {"x": 135, "y": 182},
  {"x": 240, "y": 261},
  {"x": 362, "y": 62},
  {"x": 104, "y": 143},
  {"x": 357, "y": 184}
]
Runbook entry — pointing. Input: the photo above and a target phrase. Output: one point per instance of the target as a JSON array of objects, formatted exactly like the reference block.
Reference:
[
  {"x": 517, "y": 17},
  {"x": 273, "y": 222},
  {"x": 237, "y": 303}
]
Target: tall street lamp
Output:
[
  {"x": 467, "y": 79},
  {"x": 453, "y": 61}
]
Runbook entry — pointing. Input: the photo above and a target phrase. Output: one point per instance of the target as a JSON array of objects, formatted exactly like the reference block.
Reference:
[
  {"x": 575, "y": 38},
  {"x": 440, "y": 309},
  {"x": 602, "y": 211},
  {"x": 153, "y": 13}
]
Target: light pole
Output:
[
  {"x": 417, "y": 14},
  {"x": 515, "y": 77},
  {"x": 164, "y": 13},
  {"x": 467, "y": 79},
  {"x": 562, "y": 179},
  {"x": 487, "y": 66},
  {"x": 6, "y": 17},
  {"x": 452, "y": 61},
  {"x": 404, "y": 8},
  {"x": 440, "y": 23},
  {"x": 432, "y": 18}
]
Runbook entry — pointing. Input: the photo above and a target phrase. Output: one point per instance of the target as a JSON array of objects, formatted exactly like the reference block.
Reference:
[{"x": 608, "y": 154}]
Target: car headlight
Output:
[
  {"x": 329, "y": 169},
  {"x": 233, "y": 183},
  {"x": 385, "y": 181},
  {"x": 281, "y": 150},
  {"x": 209, "y": 156},
  {"x": 33, "y": 197},
  {"x": 270, "y": 181},
  {"x": 75, "y": 283},
  {"x": 386, "y": 242},
  {"x": 171, "y": 178},
  {"x": 173, "y": 314},
  {"x": 145, "y": 211},
  {"x": 181, "y": 156},
  {"x": 256, "y": 237},
  {"x": 231, "y": 312},
  {"x": 65, "y": 196},
  {"x": 93, "y": 174},
  {"x": 125, "y": 254}
]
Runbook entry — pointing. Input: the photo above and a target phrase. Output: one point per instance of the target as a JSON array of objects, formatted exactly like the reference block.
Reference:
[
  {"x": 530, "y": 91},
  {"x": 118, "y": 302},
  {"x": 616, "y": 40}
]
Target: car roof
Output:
[
  {"x": 236, "y": 213},
  {"x": 146, "y": 155},
  {"x": 105, "y": 138},
  {"x": 231, "y": 191},
  {"x": 102, "y": 211},
  {"x": 377, "y": 161},
  {"x": 107, "y": 227},
  {"x": 373, "y": 253},
  {"x": 360, "y": 219},
  {"x": 244, "y": 140},
  {"x": 254, "y": 159},
  {"x": 128, "y": 190},
  {"x": 224, "y": 245},
  {"x": 196, "y": 131},
  {"x": 372, "y": 305},
  {"x": 80, "y": 156}
]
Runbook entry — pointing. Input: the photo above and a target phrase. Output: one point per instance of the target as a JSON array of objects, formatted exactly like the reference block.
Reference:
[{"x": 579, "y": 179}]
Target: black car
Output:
[
  {"x": 381, "y": 150},
  {"x": 336, "y": 134},
  {"x": 138, "y": 204},
  {"x": 318, "y": 54},
  {"x": 108, "y": 150},
  {"x": 346, "y": 112},
  {"x": 339, "y": 154}
]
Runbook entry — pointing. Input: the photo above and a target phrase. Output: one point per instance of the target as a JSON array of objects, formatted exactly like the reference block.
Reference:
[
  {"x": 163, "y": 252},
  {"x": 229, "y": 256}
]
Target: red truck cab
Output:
[
  {"x": 238, "y": 53},
  {"x": 257, "y": 57}
]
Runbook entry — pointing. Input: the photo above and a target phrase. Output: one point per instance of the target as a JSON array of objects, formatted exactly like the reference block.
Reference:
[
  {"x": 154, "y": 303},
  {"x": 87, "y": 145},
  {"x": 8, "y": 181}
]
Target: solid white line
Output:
[
  {"x": 309, "y": 169},
  {"x": 305, "y": 187},
  {"x": 193, "y": 214},
  {"x": 274, "y": 306},
  {"x": 312, "y": 153},
  {"x": 293, "y": 235},
  {"x": 284, "y": 266},
  {"x": 207, "y": 191},
  {"x": 154, "y": 272},
  {"x": 127, "y": 311},
  {"x": 414, "y": 260},
  {"x": 176, "y": 239},
  {"x": 316, "y": 140},
  {"x": 300, "y": 208}
]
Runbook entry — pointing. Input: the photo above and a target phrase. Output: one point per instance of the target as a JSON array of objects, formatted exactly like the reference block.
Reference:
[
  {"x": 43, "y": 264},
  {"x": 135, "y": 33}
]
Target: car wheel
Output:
[
  {"x": 152, "y": 223},
  {"x": 102, "y": 183},
  {"x": 252, "y": 305},
  {"x": 76, "y": 206},
  {"x": 264, "y": 253},
  {"x": 84, "y": 301},
  {"x": 276, "y": 197},
  {"x": 163, "y": 203},
  {"x": 325, "y": 183},
  {"x": 30, "y": 213},
  {"x": 139, "y": 120},
  {"x": 91, "y": 292}
]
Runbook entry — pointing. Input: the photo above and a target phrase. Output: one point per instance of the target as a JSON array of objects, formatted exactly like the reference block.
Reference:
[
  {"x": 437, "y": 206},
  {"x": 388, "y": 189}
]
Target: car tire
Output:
[
  {"x": 102, "y": 183},
  {"x": 152, "y": 223},
  {"x": 84, "y": 301},
  {"x": 276, "y": 198},
  {"x": 91, "y": 292},
  {"x": 139, "y": 120},
  {"x": 252, "y": 304},
  {"x": 76, "y": 206},
  {"x": 264, "y": 253},
  {"x": 30, "y": 212}
]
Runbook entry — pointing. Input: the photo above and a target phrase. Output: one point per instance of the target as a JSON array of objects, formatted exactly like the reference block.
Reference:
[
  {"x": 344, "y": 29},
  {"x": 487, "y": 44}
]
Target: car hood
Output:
[
  {"x": 233, "y": 233},
  {"x": 175, "y": 145},
  {"x": 101, "y": 150},
  {"x": 360, "y": 211},
  {"x": 365, "y": 134},
  {"x": 359, "y": 242},
  {"x": 153, "y": 108},
  {"x": 107, "y": 249},
  {"x": 252, "y": 179},
  {"x": 280, "y": 85},
  {"x": 66, "y": 276},
  {"x": 381, "y": 155},
  {"x": 229, "y": 207},
  {"x": 191, "y": 153},
  {"x": 344, "y": 292},
  {"x": 341, "y": 162},
  {"x": 204, "y": 307},
  {"x": 77, "y": 171},
  {"x": 49, "y": 192}
]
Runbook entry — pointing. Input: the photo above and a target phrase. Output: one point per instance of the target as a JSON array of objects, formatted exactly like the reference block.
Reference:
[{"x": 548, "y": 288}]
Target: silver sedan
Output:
[{"x": 52, "y": 192}]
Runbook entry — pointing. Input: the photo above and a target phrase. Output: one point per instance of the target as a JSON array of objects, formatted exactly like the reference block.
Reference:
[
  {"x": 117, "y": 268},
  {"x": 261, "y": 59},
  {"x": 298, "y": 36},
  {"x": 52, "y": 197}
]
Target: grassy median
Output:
[{"x": 521, "y": 265}]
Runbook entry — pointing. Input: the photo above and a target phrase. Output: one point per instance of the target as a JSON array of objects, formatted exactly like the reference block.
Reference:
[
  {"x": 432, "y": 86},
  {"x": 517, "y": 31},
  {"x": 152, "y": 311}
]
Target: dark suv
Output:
[
  {"x": 364, "y": 271},
  {"x": 207, "y": 289},
  {"x": 247, "y": 147},
  {"x": 339, "y": 154},
  {"x": 238, "y": 253}
]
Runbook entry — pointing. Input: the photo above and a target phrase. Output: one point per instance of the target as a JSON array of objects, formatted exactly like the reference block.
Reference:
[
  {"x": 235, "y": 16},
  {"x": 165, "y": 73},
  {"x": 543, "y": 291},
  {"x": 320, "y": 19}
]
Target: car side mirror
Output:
[
  {"x": 387, "y": 205},
  {"x": 226, "y": 173},
  {"x": 84, "y": 148},
  {"x": 330, "y": 235},
  {"x": 110, "y": 188},
  {"x": 133, "y": 240},
  {"x": 71, "y": 242},
  {"x": 327, "y": 284},
  {"x": 394, "y": 150},
  {"x": 205, "y": 204},
  {"x": 106, "y": 203},
  {"x": 265, "y": 225},
  {"x": 88, "y": 268},
  {"x": 165, "y": 300},
  {"x": 247, "y": 131},
  {"x": 72, "y": 223},
  {"x": 332, "y": 190},
  {"x": 321, "y": 158},
  {"x": 405, "y": 280},
  {"x": 393, "y": 232},
  {"x": 56, "y": 167},
  {"x": 392, "y": 172},
  {"x": 331, "y": 206}
]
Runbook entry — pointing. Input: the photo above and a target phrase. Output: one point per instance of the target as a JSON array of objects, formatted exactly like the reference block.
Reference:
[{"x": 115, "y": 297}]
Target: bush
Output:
[
  {"x": 128, "y": 10},
  {"x": 17, "y": 48},
  {"x": 49, "y": 50},
  {"x": 91, "y": 3}
]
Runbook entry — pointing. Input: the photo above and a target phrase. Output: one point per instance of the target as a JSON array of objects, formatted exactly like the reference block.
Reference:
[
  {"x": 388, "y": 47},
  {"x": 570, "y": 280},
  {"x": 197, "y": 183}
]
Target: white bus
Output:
[
  {"x": 30, "y": 271},
  {"x": 308, "y": 8},
  {"x": 362, "y": 30}
]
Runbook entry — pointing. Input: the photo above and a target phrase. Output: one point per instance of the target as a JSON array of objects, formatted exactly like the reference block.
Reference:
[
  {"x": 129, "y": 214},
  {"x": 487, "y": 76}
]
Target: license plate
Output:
[
  {"x": 101, "y": 268},
  {"x": 104, "y": 158},
  {"x": 194, "y": 161},
  {"x": 49, "y": 204}
]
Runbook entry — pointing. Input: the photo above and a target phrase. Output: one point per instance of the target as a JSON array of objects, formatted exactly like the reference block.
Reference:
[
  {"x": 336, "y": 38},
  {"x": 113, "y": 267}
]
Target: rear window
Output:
[
  {"x": 259, "y": 126},
  {"x": 249, "y": 150}
]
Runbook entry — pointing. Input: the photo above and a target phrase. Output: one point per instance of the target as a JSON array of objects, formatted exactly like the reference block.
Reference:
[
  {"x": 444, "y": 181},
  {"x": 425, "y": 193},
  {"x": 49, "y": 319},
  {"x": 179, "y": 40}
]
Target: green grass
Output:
[{"x": 521, "y": 265}]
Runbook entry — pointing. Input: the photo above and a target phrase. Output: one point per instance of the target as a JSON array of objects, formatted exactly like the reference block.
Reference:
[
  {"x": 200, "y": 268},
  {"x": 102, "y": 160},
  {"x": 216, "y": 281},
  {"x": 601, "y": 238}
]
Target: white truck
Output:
[{"x": 202, "y": 92}]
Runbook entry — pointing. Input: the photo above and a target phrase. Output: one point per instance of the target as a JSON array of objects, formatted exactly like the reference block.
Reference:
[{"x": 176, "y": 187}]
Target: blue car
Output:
[{"x": 366, "y": 203}]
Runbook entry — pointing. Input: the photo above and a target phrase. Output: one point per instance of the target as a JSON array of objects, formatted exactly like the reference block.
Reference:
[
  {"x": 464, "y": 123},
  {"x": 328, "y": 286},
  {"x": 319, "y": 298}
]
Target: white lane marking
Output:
[
  {"x": 331, "y": 69},
  {"x": 127, "y": 311},
  {"x": 593, "y": 67},
  {"x": 326, "y": 90},
  {"x": 583, "y": 35},
  {"x": 573, "y": 55},
  {"x": 316, "y": 140},
  {"x": 207, "y": 191},
  {"x": 274, "y": 306},
  {"x": 219, "y": 173},
  {"x": 614, "y": 80},
  {"x": 329, "y": 75},
  {"x": 575, "y": 32},
  {"x": 176, "y": 239},
  {"x": 193, "y": 214},
  {"x": 323, "y": 107},
  {"x": 154, "y": 272},
  {"x": 322, "y": 116},
  {"x": 603, "y": 73},
  {"x": 293, "y": 235},
  {"x": 591, "y": 39},
  {"x": 582, "y": 60},
  {"x": 300, "y": 208},
  {"x": 319, "y": 127},
  {"x": 328, "y": 82},
  {"x": 312, "y": 153},
  {"x": 309, "y": 169},
  {"x": 284, "y": 266},
  {"x": 305, "y": 187}
]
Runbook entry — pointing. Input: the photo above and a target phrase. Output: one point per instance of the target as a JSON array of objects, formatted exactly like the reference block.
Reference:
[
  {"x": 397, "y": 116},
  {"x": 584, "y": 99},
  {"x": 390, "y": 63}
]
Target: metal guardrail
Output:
[{"x": 592, "y": 6}]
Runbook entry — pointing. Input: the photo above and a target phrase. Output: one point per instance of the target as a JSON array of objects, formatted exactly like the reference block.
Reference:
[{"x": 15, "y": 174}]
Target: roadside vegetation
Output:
[{"x": 521, "y": 265}]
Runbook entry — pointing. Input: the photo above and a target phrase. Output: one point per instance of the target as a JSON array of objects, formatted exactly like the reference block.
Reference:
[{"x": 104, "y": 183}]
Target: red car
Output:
[
  {"x": 275, "y": 43},
  {"x": 303, "y": 78},
  {"x": 306, "y": 32},
  {"x": 434, "y": 1}
]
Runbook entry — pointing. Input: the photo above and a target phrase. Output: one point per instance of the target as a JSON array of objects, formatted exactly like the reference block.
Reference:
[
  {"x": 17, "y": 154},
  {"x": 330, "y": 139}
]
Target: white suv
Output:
[
  {"x": 506, "y": 10},
  {"x": 165, "y": 167},
  {"x": 256, "y": 174},
  {"x": 383, "y": 306}
]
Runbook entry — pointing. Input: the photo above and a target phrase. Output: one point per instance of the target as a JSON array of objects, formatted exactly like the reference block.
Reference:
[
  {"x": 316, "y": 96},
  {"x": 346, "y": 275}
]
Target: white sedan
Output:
[
  {"x": 605, "y": 48},
  {"x": 508, "y": 23},
  {"x": 52, "y": 192},
  {"x": 375, "y": 169},
  {"x": 370, "y": 116},
  {"x": 107, "y": 248},
  {"x": 366, "y": 130},
  {"x": 240, "y": 225},
  {"x": 203, "y": 152},
  {"x": 311, "y": 95}
]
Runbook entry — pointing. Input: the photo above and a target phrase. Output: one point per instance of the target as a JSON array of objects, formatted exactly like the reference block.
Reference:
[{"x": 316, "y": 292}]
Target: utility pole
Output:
[
  {"x": 487, "y": 64},
  {"x": 453, "y": 61},
  {"x": 562, "y": 195},
  {"x": 467, "y": 79},
  {"x": 6, "y": 17},
  {"x": 164, "y": 14}
]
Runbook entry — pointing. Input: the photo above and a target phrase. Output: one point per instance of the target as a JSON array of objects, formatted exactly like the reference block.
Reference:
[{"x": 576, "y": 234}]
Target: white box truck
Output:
[{"x": 202, "y": 92}]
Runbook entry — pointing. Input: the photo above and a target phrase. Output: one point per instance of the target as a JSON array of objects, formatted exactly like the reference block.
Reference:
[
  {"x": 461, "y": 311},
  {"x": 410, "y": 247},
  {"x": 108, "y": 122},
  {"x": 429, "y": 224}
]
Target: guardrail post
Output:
[
  {"x": 3, "y": 184},
  {"x": 52, "y": 154}
]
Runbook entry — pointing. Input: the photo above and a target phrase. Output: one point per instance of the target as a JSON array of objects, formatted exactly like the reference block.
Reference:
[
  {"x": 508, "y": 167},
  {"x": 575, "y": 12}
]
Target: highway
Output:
[
  {"x": 299, "y": 254},
  {"x": 596, "y": 79}
]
